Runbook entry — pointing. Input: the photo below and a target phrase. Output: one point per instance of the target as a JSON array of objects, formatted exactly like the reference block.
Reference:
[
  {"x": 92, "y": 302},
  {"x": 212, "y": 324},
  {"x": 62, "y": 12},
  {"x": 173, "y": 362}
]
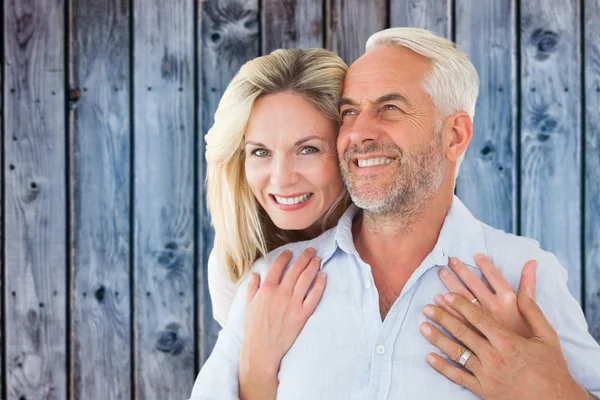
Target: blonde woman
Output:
[{"x": 272, "y": 178}]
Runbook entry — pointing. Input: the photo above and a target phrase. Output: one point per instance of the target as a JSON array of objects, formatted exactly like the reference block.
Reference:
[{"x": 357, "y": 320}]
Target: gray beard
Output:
[{"x": 418, "y": 178}]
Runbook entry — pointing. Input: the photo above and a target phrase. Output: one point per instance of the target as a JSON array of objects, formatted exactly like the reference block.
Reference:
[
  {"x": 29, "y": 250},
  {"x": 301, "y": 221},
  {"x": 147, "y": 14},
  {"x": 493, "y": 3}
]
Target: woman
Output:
[{"x": 273, "y": 178}]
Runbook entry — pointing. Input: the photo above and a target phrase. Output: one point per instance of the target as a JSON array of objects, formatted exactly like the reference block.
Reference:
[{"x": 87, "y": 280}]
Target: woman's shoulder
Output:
[{"x": 220, "y": 286}]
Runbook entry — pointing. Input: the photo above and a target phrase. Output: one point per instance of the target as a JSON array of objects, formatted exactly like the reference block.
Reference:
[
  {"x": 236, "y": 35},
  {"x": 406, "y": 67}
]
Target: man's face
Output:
[{"x": 390, "y": 145}]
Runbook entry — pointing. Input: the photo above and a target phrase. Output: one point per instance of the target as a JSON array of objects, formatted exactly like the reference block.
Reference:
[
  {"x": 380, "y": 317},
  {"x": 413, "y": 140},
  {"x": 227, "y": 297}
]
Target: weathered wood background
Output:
[{"x": 105, "y": 235}]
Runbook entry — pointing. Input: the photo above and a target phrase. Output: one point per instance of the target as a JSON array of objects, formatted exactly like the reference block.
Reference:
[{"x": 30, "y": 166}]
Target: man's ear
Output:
[{"x": 460, "y": 131}]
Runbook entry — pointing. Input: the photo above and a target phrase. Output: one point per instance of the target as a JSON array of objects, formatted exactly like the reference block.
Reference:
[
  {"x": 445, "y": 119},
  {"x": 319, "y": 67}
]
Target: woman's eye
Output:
[
  {"x": 309, "y": 150},
  {"x": 260, "y": 153}
]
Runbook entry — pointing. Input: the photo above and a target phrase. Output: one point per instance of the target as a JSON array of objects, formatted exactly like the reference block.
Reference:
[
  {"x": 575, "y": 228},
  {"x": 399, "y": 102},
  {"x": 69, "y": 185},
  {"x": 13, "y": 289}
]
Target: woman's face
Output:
[{"x": 291, "y": 161}]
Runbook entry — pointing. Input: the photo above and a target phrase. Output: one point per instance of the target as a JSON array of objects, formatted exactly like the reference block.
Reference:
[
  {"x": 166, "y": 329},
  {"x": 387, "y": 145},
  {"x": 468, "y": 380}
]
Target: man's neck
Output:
[{"x": 397, "y": 241}]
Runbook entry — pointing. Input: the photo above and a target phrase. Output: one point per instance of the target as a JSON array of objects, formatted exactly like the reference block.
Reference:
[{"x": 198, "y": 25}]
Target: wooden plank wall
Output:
[{"x": 104, "y": 229}]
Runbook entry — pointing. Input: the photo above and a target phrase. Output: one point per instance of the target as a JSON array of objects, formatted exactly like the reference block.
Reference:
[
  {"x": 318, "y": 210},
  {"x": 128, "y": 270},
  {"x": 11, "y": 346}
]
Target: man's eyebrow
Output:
[
  {"x": 382, "y": 99},
  {"x": 346, "y": 101},
  {"x": 391, "y": 97}
]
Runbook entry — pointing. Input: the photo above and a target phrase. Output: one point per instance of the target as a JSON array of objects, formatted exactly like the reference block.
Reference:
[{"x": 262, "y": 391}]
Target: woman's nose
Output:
[{"x": 284, "y": 172}]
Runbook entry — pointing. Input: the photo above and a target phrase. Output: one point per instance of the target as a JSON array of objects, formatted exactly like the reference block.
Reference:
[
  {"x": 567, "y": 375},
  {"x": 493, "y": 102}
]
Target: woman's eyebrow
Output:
[
  {"x": 257, "y": 144},
  {"x": 306, "y": 139}
]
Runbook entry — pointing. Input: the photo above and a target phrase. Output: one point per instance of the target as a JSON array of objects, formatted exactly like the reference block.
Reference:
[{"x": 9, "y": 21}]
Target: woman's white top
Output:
[{"x": 220, "y": 286}]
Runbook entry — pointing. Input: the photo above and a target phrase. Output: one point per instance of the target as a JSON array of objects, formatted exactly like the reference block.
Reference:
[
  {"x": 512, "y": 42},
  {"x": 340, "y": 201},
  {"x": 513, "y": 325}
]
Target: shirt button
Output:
[
  {"x": 380, "y": 349},
  {"x": 367, "y": 283}
]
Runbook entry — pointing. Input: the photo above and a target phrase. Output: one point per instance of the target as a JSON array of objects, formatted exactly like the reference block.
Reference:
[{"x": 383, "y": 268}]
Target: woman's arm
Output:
[
  {"x": 220, "y": 286},
  {"x": 276, "y": 311}
]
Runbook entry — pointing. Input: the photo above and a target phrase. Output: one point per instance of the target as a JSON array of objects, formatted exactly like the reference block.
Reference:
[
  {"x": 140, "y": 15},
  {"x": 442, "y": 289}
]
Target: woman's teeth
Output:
[
  {"x": 374, "y": 161},
  {"x": 290, "y": 201}
]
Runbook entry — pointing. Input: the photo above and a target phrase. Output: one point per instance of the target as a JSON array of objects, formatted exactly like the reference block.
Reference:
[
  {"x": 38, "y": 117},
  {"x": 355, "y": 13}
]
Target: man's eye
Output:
[
  {"x": 347, "y": 112},
  {"x": 309, "y": 150},
  {"x": 260, "y": 153},
  {"x": 390, "y": 107}
]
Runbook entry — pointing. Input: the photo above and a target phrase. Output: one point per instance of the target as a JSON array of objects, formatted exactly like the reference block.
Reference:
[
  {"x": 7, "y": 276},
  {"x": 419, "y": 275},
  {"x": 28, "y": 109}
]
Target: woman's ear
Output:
[{"x": 460, "y": 132}]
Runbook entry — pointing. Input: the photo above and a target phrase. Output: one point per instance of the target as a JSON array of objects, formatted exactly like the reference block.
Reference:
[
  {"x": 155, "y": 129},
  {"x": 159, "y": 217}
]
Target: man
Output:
[{"x": 406, "y": 114}]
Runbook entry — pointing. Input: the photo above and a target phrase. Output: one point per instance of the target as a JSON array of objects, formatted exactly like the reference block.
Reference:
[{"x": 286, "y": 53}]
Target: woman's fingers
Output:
[
  {"x": 298, "y": 266},
  {"x": 306, "y": 279},
  {"x": 455, "y": 374},
  {"x": 472, "y": 282},
  {"x": 453, "y": 284},
  {"x": 461, "y": 332},
  {"x": 491, "y": 273},
  {"x": 314, "y": 296},
  {"x": 528, "y": 277},
  {"x": 273, "y": 276},
  {"x": 253, "y": 286}
]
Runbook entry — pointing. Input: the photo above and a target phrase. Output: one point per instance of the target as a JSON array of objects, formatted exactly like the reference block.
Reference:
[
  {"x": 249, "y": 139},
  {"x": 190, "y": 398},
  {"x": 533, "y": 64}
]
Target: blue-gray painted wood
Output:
[
  {"x": 229, "y": 39},
  {"x": 434, "y": 15},
  {"x": 291, "y": 23},
  {"x": 100, "y": 200},
  {"x": 592, "y": 165},
  {"x": 350, "y": 23},
  {"x": 35, "y": 226},
  {"x": 4, "y": 169},
  {"x": 164, "y": 199},
  {"x": 551, "y": 131},
  {"x": 487, "y": 178}
]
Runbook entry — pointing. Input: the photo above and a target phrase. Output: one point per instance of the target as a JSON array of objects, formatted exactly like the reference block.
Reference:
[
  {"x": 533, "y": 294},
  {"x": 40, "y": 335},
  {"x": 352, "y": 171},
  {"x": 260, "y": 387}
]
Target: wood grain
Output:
[
  {"x": 291, "y": 23},
  {"x": 229, "y": 39},
  {"x": 592, "y": 165},
  {"x": 433, "y": 15},
  {"x": 350, "y": 23},
  {"x": 164, "y": 199},
  {"x": 487, "y": 178},
  {"x": 100, "y": 200},
  {"x": 551, "y": 131},
  {"x": 35, "y": 202}
]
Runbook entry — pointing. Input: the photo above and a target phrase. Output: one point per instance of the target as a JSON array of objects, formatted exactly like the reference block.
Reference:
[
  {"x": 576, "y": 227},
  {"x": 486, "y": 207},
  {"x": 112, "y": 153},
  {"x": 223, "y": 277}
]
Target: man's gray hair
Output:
[{"x": 453, "y": 82}]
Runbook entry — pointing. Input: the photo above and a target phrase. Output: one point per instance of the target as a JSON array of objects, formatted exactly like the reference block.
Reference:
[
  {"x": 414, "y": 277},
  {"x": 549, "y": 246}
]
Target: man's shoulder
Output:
[{"x": 510, "y": 252}]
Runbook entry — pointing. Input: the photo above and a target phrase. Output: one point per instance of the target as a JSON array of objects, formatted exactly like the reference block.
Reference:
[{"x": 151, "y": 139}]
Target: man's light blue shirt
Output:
[{"x": 346, "y": 352}]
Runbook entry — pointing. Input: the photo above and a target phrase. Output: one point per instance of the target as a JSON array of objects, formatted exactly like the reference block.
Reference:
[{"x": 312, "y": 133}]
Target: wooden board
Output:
[
  {"x": 229, "y": 39},
  {"x": 592, "y": 165},
  {"x": 35, "y": 202},
  {"x": 164, "y": 199},
  {"x": 551, "y": 131},
  {"x": 487, "y": 177},
  {"x": 100, "y": 203},
  {"x": 350, "y": 23},
  {"x": 433, "y": 15},
  {"x": 291, "y": 23}
]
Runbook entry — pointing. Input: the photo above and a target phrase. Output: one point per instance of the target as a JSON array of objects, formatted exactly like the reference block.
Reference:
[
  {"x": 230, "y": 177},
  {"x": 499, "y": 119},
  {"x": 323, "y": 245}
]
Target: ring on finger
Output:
[
  {"x": 465, "y": 357},
  {"x": 474, "y": 301}
]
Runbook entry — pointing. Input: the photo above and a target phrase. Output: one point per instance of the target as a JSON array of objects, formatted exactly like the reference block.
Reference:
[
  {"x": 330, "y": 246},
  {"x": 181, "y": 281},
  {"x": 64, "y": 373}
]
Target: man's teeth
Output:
[
  {"x": 374, "y": 161},
  {"x": 290, "y": 201}
]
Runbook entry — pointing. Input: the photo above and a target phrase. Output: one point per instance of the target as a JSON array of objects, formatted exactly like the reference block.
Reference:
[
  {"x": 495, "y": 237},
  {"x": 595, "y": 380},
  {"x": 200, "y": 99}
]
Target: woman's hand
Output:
[
  {"x": 276, "y": 312},
  {"x": 501, "y": 304}
]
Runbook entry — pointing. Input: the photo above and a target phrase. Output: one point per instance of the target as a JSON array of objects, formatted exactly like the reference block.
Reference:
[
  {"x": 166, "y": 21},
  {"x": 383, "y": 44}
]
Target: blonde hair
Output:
[
  {"x": 243, "y": 230},
  {"x": 453, "y": 82}
]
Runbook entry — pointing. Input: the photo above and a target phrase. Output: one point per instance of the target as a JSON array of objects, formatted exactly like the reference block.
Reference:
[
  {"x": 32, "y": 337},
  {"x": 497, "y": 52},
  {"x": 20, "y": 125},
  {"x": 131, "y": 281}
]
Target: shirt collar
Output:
[{"x": 461, "y": 236}]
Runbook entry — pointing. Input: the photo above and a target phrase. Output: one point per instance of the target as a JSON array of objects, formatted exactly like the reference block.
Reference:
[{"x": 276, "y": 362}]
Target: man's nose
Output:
[
  {"x": 364, "y": 129},
  {"x": 284, "y": 172}
]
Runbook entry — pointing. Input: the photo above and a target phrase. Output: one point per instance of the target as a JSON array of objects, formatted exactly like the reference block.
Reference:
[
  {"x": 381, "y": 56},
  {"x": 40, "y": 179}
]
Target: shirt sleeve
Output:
[
  {"x": 564, "y": 313},
  {"x": 221, "y": 288},
  {"x": 219, "y": 377}
]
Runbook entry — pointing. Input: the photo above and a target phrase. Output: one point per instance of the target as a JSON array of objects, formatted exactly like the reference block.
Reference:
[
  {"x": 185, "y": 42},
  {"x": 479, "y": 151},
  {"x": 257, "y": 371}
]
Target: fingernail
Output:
[
  {"x": 439, "y": 298},
  {"x": 428, "y": 310},
  {"x": 317, "y": 259},
  {"x": 444, "y": 273},
  {"x": 313, "y": 251},
  {"x": 431, "y": 358},
  {"x": 528, "y": 293},
  {"x": 452, "y": 261},
  {"x": 449, "y": 298},
  {"x": 425, "y": 329},
  {"x": 479, "y": 256}
]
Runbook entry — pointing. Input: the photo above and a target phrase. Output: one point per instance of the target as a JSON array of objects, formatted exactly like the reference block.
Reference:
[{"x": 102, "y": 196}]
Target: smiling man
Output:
[{"x": 407, "y": 112}]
